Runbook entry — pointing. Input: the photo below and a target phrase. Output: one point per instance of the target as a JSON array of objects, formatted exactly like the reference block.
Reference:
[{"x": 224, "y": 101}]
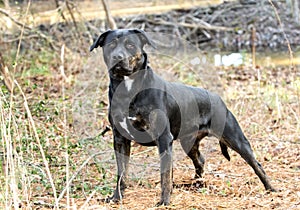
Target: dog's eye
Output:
[
  {"x": 130, "y": 46},
  {"x": 112, "y": 44}
]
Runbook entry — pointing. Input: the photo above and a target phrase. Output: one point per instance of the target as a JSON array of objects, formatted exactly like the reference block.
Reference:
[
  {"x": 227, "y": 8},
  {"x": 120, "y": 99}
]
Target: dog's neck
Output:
[{"x": 142, "y": 76}]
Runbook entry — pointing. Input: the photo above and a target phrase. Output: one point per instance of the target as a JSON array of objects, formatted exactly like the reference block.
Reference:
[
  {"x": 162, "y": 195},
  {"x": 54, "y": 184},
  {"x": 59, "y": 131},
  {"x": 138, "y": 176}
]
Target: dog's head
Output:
[{"x": 123, "y": 50}]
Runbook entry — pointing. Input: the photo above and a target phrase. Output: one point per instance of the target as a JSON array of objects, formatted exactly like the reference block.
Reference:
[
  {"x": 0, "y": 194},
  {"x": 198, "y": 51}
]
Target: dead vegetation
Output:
[
  {"x": 52, "y": 154},
  {"x": 210, "y": 27}
]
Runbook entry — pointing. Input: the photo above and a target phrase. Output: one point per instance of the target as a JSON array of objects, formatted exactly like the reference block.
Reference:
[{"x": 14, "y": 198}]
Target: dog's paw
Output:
[
  {"x": 112, "y": 199},
  {"x": 162, "y": 203},
  {"x": 199, "y": 183},
  {"x": 271, "y": 189}
]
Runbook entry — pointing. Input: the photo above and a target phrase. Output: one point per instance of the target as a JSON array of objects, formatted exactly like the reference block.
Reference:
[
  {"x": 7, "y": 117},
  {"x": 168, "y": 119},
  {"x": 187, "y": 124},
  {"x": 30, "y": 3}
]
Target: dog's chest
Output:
[
  {"x": 128, "y": 82},
  {"x": 134, "y": 123},
  {"x": 130, "y": 108}
]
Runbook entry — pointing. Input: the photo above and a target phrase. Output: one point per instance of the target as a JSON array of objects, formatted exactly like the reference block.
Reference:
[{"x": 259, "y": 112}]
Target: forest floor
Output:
[
  {"x": 68, "y": 117},
  {"x": 52, "y": 153}
]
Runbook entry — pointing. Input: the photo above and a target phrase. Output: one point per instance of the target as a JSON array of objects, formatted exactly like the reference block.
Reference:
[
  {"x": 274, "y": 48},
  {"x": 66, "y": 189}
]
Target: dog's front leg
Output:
[
  {"x": 122, "y": 152},
  {"x": 165, "y": 150}
]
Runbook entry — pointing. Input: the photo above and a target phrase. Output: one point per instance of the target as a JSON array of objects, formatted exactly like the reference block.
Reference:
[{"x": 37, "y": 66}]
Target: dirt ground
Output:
[{"x": 52, "y": 153}]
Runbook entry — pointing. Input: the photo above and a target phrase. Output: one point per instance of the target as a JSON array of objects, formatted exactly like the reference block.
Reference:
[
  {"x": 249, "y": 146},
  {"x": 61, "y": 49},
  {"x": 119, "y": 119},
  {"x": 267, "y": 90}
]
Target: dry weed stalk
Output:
[
  {"x": 292, "y": 67},
  {"x": 32, "y": 123},
  {"x": 9, "y": 134},
  {"x": 11, "y": 155},
  {"x": 284, "y": 34},
  {"x": 5, "y": 74},
  {"x": 77, "y": 172},
  {"x": 62, "y": 71},
  {"x": 9, "y": 161}
]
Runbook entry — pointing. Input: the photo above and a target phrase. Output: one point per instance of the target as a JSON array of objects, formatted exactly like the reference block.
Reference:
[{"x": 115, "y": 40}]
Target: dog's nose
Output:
[{"x": 118, "y": 57}]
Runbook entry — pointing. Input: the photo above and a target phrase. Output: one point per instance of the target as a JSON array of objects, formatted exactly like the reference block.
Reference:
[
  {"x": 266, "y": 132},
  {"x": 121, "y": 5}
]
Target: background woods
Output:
[{"x": 56, "y": 146}]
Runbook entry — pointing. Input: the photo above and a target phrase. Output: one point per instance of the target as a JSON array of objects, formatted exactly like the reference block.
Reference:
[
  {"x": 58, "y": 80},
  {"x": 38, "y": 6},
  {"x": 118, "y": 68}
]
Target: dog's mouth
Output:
[
  {"x": 121, "y": 69},
  {"x": 126, "y": 67}
]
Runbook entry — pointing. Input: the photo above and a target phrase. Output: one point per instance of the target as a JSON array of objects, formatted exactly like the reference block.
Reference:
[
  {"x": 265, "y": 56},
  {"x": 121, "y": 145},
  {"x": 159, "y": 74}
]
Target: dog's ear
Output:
[
  {"x": 144, "y": 37},
  {"x": 100, "y": 40}
]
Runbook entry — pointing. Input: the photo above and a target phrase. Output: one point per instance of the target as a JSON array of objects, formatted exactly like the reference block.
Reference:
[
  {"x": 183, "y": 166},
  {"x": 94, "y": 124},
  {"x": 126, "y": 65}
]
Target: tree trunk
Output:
[
  {"x": 6, "y": 4},
  {"x": 111, "y": 22},
  {"x": 296, "y": 11}
]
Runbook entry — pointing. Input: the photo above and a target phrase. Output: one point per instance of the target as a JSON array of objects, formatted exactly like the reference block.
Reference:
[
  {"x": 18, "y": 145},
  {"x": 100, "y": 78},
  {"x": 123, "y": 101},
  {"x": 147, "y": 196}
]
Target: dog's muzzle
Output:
[{"x": 121, "y": 69}]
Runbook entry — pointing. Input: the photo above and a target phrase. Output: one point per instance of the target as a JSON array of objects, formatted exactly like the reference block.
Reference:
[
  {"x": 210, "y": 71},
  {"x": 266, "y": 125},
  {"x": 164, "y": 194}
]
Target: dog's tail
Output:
[{"x": 224, "y": 150}]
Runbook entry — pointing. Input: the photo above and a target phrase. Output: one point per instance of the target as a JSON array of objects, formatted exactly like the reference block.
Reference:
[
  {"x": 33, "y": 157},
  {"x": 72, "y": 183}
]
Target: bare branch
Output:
[
  {"x": 111, "y": 22},
  {"x": 206, "y": 26},
  {"x": 5, "y": 74},
  {"x": 4, "y": 12}
]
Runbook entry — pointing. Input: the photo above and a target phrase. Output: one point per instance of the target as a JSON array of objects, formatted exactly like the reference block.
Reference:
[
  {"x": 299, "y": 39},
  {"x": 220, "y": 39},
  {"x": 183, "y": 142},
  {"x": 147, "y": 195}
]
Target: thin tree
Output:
[
  {"x": 6, "y": 4},
  {"x": 111, "y": 22},
  {"x": 296, "y": 11}
]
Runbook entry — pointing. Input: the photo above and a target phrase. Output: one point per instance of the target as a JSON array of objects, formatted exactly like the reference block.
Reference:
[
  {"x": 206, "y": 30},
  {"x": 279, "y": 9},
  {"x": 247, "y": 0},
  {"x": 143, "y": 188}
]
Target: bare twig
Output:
[
  {"x": 111, "y": 22},
  {"x": 32, "y": 36},
  {"x": 119, "y": 191},
  {"x": 59, "y": 9},
  {"x": 6, "y": 4},
  {"x": 5, "y": 74},
  {"x": 107, "y": 128},
  {"x": 72, "y": 17},
  {"x": 62, "y": 71},
  {"x": 4, "y": 12},
  {"x": 28, "y": 110},
  {"x": 189, "y": 25},
  {"x": 77, "y": 172},
  {"x": 284, "y": 34},
  {"x": 15, "y": 193},
  {"x": 289, "y": 47},
  {"x": 88, "y": 200},
  {"x": 38, "y": 142},
  {"x": 253, "y": 40}
]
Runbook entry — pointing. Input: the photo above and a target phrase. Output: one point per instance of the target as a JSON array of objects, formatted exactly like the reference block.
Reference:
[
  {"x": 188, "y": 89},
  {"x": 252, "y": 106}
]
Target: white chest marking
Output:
[
  {"x": 128, "y": 83},
  {"x": 132, "y": 118},
  {"x": 124, "y": 126}
]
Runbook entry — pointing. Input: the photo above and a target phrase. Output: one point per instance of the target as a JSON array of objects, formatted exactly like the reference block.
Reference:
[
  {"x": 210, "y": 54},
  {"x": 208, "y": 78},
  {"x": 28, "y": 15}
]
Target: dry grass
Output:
[{"x": 51, "y": 154}]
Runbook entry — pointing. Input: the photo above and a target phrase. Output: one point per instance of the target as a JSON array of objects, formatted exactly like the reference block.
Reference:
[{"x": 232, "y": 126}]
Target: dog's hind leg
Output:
[
  {"x": 190, "y": 145},
  {"x": 235, "y": 139},
  {"x": 224, "y": 150}
]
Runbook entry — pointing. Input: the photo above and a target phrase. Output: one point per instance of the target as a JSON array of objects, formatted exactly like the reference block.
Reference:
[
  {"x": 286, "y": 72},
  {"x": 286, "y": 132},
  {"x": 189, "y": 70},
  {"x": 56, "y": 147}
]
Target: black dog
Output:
[{"x": 154, "y": 112}]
